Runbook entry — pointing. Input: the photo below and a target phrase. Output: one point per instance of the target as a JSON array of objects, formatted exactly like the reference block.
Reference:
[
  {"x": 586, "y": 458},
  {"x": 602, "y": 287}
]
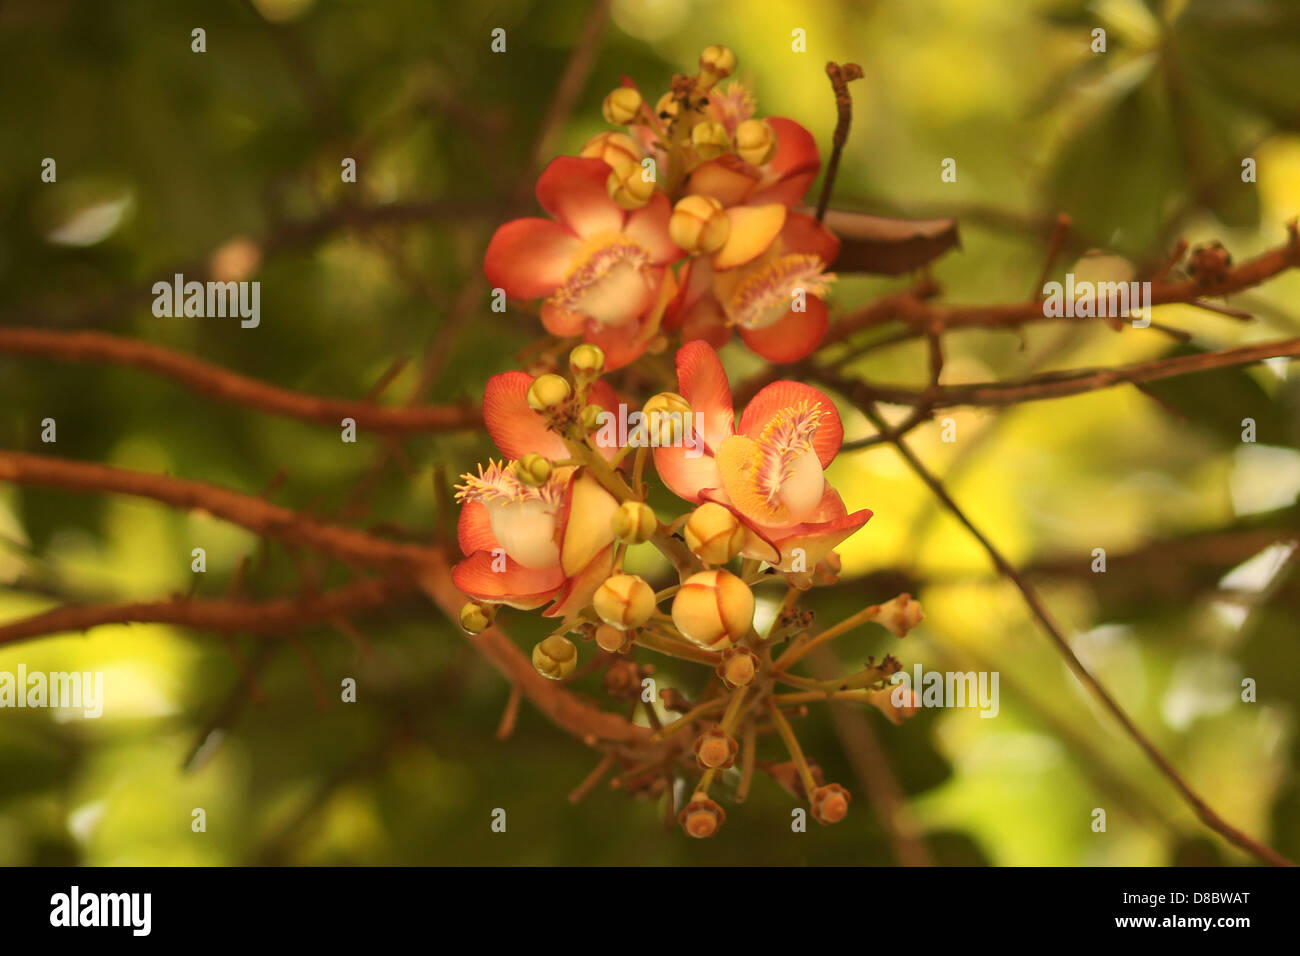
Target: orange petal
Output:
[
  {"x": 789, "y": 173},
  {"x": 702, "y": 381},
  {"x": 787, "y": 394},
  {"x": 817, "y": 539},
  {"x": 686, "y": 477},
  {"x": 804, "y": 234},
  {"x": 529, "y": 258},
  {"x": 516, "y": 585},
  {"x": 649, "y": 227},
  {"x": 572, "y": 190},
  {"x": 474, "y": 529},
  {"x": 515, "y": 427},
  {"x": 705, "y": 321},
  {"x": 728, "y": 179},
  {"x": 794, "y": 336}
]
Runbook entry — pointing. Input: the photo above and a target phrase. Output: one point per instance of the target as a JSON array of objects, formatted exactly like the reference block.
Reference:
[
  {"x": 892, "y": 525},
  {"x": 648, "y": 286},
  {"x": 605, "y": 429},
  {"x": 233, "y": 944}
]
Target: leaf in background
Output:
[{"x": 881, "y": 245}]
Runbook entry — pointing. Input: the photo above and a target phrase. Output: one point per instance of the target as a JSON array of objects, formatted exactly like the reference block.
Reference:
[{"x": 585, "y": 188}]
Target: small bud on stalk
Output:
[
  {"x": 621, "y": 106},
  {"x": 755, "y": 142},
  {"x": 715, "y": 749},
  {"x": 702, "y": 817},
  {"x": 830, "y": 804},
  {"x": 714, "y": 533},
  {"x": 556, "y": 657},
  {"x": 475, "y": 617},
  {"x": 548, "y": 391},
  {"x": 533, "y": 469},
  {"x": 699, "y": 224},
  {"x": 630, "y": 187},
  {"x": 714, "y": 609},
  {"x": 624, "y": 600},
  {"x": 634, "y": 522}
]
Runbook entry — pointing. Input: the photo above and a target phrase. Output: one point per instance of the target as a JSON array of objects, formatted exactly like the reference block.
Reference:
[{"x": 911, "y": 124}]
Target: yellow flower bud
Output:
[
  {"x": 556, "y": 657},
  {"x": 475, "y": 617},
  {"x": 715, "y": 749},
  {"x": 702, "y": 817},
  {"x": 624, "y": 600},
  {"x": 613, "y": 639},
  {"x": 709, "y": 139},
  {"x": 548, "y": 391},
  {"x": 737, "y": 667},
  {"x": 666, "y": 418},
  {"x": 631, "y": 186},
  {"x": 899, "y": 615},
  {"x": 634, "y": 522},
  {"x": 621, "y": 106},
  {"x": 616, "y": 149},
  {"x": 590, "y": 417},
  {"x": 587, "y": 361},
  {"x": 667, "y": 107},
  {"x": 699, "y": 224},
  {"x": 533, "y": 469},
  {"x": 718, "y": 61},
  {"x": 713, "y": 609},
  {"x": 755, "y": 141},
  {"x": 714, "y": 533},
  {"x": 830, "y": 804}
]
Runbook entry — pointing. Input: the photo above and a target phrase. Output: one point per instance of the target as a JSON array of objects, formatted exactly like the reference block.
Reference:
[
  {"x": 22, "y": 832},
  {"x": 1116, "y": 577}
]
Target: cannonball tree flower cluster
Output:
[
  {"x": 683, "y": 222},
  {"x": 668, "y": 235}
]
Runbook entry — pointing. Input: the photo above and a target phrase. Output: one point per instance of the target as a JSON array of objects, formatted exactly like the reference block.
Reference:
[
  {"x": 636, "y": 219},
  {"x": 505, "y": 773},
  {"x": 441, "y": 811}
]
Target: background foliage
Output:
[{"x": 164, "y": 155}]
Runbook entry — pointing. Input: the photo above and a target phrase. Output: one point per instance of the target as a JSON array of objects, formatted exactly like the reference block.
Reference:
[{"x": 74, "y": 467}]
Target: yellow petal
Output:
[{"x": 753, "y": 229}]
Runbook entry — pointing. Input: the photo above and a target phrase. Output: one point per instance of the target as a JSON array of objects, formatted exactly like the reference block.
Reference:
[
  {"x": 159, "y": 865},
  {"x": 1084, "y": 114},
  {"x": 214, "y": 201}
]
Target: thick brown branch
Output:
[
  {"x": 274, "y": 617},
  {"x": 247, "y": 511},
  {"x": 225, "y": 385}
]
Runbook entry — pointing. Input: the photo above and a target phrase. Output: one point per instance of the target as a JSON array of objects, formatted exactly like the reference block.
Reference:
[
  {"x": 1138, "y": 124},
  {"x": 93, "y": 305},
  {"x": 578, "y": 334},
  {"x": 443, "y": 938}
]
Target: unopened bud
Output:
[
  {"x": 737, "y": 667},
  {"x": 899, "y": 615},
  {"x": 709, "y": 139},
  {"x": 622, "y": 679},
  {"x": 475, "y": 617},
  {"x": 587, "y": 361},
  {"x": 699, "y": 224},
  {"x": 702, "y": 817},
  {"x": 714, "y": 533},
  {"x": 715, "y": 749},
  {"x": 555, "y": 657},
  {"x": 630, "y": 187},
  {"x": 755, "y": 141},
  {"x": 714, "y": 609},
  {"x": 718, "y": 61},
  {"x": 830, "y": 804},
  {"x": 621, "y": 106},
  {"x": 613, "y": 639},
  {"x": 667, "y": 108},
  {"x": 615, "y": 149},
  {"x": 666, "y": 416},
  {"x": 634, "y": 522},
  {"x": 590, "y": 417},
  {"x": 548, "y": 391},
  {"x": 533, "y": 469},
  {"x": 624, "y": 600}
]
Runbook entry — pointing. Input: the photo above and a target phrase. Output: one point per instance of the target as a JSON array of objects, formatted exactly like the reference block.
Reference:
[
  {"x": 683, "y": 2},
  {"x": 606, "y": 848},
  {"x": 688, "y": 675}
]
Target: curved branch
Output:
[
  {"x": 255, "y": 514},
  {"x": 225, "y": 385},
  {"x": 274, "y": 617},
  {"x": 589, "y": 724}
]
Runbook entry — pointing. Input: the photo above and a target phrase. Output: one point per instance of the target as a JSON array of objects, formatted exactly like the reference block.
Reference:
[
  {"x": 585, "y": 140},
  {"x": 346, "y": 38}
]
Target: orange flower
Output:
[
  {"x": 770, "y": 470},
  {"x": 600, "y": 269}
]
